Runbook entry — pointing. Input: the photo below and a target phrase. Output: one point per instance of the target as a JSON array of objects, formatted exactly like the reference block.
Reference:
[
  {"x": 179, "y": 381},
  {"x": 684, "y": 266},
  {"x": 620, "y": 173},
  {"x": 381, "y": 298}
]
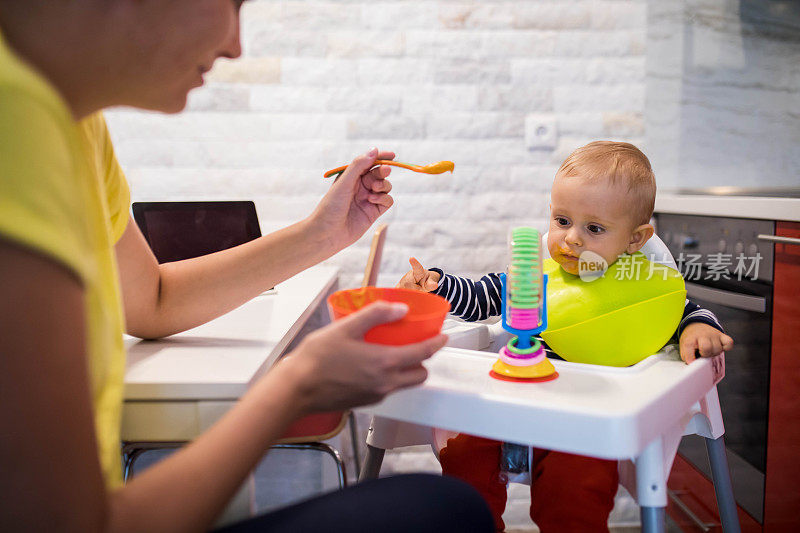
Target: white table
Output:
[
  {"x": 177, "y": 387},
  {"x": 637, "y": 413}
]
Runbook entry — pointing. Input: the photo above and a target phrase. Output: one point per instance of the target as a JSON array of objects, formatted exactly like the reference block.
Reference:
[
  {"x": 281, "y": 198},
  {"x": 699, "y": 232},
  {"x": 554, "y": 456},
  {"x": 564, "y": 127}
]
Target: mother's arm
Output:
[
  {"x": 164, "y": 299},
  {"x": 51, "y": 477},
  {"x": 43, "y": 374}
]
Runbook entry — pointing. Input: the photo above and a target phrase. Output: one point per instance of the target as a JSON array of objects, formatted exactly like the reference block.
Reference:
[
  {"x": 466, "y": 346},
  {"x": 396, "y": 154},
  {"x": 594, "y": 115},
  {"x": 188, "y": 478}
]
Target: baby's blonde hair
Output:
[{"x": 616, "y": 163}]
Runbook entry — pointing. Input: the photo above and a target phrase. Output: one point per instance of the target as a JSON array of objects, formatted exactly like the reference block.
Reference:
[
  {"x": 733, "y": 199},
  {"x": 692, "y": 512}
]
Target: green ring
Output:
[
  {"x": 524, "y": 275},
  {"x": 535, "y": 346}
]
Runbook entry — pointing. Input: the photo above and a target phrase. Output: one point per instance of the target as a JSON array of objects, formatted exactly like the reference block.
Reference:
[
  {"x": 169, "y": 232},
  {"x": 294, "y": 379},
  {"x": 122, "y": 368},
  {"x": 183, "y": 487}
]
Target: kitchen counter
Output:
[{"x": 755, "y": 207}]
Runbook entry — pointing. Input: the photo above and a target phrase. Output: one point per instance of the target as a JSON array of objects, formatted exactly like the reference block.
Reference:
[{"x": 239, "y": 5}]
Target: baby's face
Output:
[{"x": 588, "y": 216}]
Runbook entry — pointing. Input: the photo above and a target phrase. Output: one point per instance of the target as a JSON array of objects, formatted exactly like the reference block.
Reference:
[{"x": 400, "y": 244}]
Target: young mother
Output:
[{"x": 75, "y": 273}]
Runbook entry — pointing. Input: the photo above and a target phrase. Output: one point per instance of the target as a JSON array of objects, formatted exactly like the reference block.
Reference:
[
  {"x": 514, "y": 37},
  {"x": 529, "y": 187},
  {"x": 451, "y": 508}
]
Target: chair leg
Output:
[
  {"x": 653, "y": 519},
  {"x": 130, "y": 457},
  {"x": 651, "y": 487},
  {"x": 354, "y": 439},
  {"x": 722, "y": 485},
  {"x": 324, "y": 448},
  {"x": 132, "y": 450},
  {"x": 334, "y": 453},
  {"x": 372, "y": 463}
]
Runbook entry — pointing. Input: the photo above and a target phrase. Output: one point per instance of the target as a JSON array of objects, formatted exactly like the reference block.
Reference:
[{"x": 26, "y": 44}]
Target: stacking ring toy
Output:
[{"x": 524, "y": 310}]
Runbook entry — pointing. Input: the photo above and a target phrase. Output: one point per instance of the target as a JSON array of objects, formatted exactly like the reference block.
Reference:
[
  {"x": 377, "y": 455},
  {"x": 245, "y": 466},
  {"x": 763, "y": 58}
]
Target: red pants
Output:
[{"x": 569, "y": 493}]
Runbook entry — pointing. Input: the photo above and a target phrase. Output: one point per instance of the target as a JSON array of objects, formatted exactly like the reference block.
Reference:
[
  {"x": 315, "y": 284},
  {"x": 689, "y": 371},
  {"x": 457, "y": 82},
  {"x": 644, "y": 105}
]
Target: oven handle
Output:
[
  {"x": 745, "y": 302},
  {"x": 779, "y": 239}
]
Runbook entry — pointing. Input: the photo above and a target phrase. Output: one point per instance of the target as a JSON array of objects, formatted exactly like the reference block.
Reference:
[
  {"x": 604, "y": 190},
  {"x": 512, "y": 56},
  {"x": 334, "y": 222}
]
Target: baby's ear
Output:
[{"x": 639, "y": 236}]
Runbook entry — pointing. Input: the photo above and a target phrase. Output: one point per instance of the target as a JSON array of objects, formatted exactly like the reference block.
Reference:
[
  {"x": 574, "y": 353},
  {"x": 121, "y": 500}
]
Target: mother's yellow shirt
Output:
[{"x": 62, "y": 194}]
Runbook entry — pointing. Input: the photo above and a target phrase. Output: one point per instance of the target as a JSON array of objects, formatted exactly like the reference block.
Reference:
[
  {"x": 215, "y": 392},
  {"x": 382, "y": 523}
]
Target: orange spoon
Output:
[{"x": 434, "y": 168}]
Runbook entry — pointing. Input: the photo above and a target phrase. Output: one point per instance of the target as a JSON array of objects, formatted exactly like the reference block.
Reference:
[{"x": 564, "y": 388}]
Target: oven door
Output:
[{"x": 744, "y": 308}]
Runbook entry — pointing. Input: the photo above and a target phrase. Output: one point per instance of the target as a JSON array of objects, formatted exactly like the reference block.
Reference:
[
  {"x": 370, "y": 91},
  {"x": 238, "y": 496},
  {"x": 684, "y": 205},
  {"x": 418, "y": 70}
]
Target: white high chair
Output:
[{"x": 643, "y": 475}]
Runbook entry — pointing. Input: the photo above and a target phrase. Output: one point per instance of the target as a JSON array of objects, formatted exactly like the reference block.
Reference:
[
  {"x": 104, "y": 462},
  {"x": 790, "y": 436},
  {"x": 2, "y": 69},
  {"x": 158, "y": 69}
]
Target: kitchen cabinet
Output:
[
  {"x": 692, "y": 504},
  {"x": 782, "y": 502}
]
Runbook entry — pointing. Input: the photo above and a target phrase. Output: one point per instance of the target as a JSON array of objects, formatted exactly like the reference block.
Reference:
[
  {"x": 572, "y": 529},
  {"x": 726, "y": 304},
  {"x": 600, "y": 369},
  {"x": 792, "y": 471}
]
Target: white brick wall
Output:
[{"x": 323, "y": 81}]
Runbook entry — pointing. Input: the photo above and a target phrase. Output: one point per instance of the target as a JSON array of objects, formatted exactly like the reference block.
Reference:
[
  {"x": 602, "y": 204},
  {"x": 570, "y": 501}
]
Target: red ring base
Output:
[{"x": 501, "y": 377}]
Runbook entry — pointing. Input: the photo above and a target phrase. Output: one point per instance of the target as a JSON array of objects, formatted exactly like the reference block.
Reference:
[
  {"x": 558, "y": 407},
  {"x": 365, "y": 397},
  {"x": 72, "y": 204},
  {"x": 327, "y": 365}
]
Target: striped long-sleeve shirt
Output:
[{"x": 478, "y": 300}]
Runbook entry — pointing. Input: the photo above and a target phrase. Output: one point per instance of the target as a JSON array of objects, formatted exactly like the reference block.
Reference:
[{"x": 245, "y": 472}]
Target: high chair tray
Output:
[{"x": 592, "y": 410}]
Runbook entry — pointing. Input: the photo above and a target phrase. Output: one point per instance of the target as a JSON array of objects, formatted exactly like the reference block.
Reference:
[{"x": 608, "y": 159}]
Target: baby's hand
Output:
[
  {"x": 703, "y": 339},
  {"x": 419, "y": 279}
]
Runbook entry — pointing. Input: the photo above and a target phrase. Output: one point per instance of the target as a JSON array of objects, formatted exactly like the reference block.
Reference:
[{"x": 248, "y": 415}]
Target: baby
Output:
[{"x": 601, "y": 201}]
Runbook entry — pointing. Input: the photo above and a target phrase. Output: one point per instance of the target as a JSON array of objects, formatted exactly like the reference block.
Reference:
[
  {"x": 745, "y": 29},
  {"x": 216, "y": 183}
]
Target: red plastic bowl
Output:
[{"x": 424, "y": 319}]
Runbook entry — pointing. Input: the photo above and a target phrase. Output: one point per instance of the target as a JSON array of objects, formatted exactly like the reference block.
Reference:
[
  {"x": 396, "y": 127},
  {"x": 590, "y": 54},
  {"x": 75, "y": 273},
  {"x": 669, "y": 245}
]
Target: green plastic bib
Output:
[{"x": 616, "y": 320}]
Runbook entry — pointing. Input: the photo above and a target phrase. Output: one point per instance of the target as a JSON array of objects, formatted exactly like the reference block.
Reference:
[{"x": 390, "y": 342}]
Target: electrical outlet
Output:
[{"x": 541, "y": 132}]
